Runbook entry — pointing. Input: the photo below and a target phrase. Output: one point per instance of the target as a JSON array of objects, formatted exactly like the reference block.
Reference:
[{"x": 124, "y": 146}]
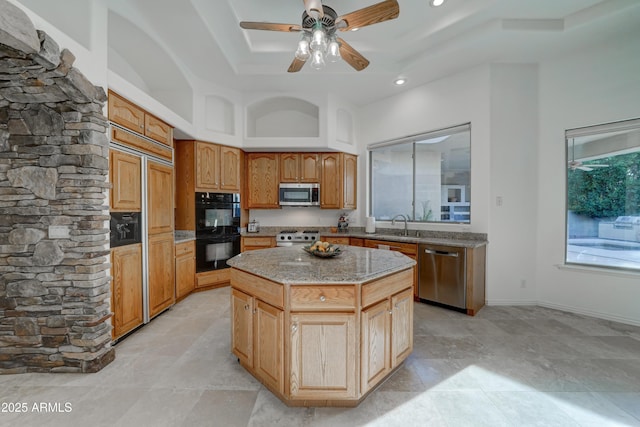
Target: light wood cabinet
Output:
[
  {"x": 159, "y": 198},
  {"x": 125, "y": 172},
  {"x": 185, "y": 268},
  {"x": 130, "y": 116},
  {"x": 262, "y": 183},
  {"x": 339, "y": 180},
  {"x": 257, "y": 338},
  {"x": 126, "y": 288},
  {"x": 212, "y": 279},
  {"x": 335, "y": 240},
  {"x": 161, "y": 272},
  {"x": 323, "y": 356},
  {"x": 387, "y": 337},
  {"x": 253, "y": 243},
  {"x": 408, "y": 249},
  {"x": 300, "y": 167},
  {"x": 207, "y": 166},
  {"x": 203, "y": 167}
]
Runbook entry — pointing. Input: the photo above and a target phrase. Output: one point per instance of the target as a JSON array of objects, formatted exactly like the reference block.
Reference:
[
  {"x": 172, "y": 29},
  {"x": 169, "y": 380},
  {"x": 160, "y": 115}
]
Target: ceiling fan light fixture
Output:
[
  {"x": 317, "y": 60},
  {"x": 319, "y": 37},
  {"x": 303, "y": 53},
  {"x": 333, "y": 50}
]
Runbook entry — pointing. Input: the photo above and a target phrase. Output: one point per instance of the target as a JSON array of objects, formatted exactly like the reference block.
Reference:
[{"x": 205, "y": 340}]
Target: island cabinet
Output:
[
  {"x": 321, "y": 344},
  {"x": 185, "y": 268},
  {"x": 300, "y": 167},
  {"x": 408, "y": 249},
  {"x": 263, "y": 174},
  {"x": 126, "y": 288},
  {"x": 339, "y": 181},
  {"x": 130, "y": 116}
]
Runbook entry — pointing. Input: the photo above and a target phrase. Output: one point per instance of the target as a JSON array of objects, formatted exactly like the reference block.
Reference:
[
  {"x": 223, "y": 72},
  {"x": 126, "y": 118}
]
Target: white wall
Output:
[{"x": 596, "y": 86}]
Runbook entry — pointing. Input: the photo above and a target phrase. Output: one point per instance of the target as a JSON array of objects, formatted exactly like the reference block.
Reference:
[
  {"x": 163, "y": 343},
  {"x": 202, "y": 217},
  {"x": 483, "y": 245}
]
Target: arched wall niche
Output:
[
  {"x": 219, "y": 115},
  {"x": 284, "y": 117}
]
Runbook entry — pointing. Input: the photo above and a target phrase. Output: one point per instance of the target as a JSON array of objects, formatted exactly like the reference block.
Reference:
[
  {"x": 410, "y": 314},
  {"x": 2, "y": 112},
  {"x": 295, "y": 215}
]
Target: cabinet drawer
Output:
[
  {"x": 405, "y": 248},
  {"x": 210, "y": 278},
  {"x": 335, "y": 240},
  {"x": 319, "y": 298},
  {"x": 184, "y": 249},
  {"x": 380, "y": 289},
  {"x": 266, "y": 290}
]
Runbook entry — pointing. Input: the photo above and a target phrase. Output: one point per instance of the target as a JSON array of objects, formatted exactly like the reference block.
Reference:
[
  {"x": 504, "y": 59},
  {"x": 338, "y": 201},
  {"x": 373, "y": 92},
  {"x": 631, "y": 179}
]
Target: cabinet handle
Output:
[
  {"x": 246, "y": 307},
  {"x": 323, "y": 298},
  {"x": 294, "y": 327},
  {"x": 390, "y": 312}
]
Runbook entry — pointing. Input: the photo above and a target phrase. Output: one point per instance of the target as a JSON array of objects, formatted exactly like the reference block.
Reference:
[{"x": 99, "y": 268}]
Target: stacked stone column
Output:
[{"x": 54, "y": 247}]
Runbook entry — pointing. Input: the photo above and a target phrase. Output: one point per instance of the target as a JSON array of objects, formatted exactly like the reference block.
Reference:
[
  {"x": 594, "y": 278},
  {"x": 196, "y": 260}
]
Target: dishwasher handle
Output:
[{"x": 441, "y": 253}]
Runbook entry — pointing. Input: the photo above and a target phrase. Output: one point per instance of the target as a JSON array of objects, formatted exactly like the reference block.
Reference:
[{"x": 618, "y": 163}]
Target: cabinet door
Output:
[
  {"x": 375, "y": 336},
  {"x": 161, "y": 272},
  {"x": 125, "y": 173},
  {"x": 160, "y": 198},
  {"x": 229, "y": 169},
  {"x": 253, "y": 243},
  {"x": 331, "y": 186},
  {"x": 185, "y": 268},
  {"x": 309, "y": 167},
  {"x": 126, "y": 295},
  {"x": 158, "y": 130},
  {"x": 207, "y": 172},
  {"x": 268, "y": 345},
  {"x": 349, "y": 184},
  {"x": 289, "y": 167},
  {"x": 401, "y": 326},
  {"x": 262, "y": 185},
  {"x": 242, "y": 327},
  {"x": 323, "y": 356},
  {"x": 125, "y": 113}
]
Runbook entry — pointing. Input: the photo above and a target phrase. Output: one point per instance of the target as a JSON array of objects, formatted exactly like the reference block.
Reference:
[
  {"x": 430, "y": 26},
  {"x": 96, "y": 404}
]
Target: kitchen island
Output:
[{"x": 321, "y": 331}]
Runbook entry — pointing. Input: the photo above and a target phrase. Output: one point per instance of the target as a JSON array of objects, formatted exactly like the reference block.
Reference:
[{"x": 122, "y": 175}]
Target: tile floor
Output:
[{"x": 508, "y": 366}]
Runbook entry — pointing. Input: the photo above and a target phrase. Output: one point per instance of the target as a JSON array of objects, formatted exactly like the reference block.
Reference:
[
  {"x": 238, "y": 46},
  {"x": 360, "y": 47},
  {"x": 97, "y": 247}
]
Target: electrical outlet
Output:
[{"x": 498, "y": 200}]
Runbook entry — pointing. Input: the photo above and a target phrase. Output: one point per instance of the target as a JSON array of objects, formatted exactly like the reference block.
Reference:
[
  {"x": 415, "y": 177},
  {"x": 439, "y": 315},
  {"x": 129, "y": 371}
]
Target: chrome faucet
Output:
[{"x": 393, "y": 222}]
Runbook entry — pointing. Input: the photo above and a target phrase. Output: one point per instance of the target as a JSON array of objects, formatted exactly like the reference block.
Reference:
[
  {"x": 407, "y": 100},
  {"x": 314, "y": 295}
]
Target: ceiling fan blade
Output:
[
  {"x": 352, "y": 56},
  {"x": 296, "y": 65},
  {"x": 584, "y": 168},
  {"x": 269, "y": 26},
  {"x": 379, "y": 12}
]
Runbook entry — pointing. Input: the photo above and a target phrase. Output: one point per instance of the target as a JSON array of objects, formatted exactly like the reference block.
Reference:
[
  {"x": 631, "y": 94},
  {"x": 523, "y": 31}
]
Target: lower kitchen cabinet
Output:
[
  {"x": 256, "y": 338},
  {"x": 387, "y": 337},
  {"x": 212, "y": 279},
  {"x": 408, "y": 249},
  {"x": 252, "y": 243},
  {"x": 126, "y": 289},
  {"x": 323, "y": 356},
  {"x": 185, "y": 268},
  {"x": 161, "y": 272},
  {"x": 335, "y": 240}
]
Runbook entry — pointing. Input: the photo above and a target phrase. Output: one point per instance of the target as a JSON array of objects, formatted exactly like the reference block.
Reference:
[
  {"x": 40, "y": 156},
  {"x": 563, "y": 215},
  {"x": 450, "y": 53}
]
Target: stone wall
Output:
[{"x": 54, "y": 286}]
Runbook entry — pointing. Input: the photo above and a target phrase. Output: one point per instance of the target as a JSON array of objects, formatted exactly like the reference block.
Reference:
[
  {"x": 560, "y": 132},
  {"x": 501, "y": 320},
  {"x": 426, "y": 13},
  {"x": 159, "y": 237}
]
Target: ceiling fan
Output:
[
  {"x": 318, "y": 28},
  {"x": 577, "y": 164}
]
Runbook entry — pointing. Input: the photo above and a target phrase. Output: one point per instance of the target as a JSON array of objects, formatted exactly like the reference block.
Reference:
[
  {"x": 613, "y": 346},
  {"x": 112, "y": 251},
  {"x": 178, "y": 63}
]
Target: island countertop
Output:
[{"x": 292, "y": 265}]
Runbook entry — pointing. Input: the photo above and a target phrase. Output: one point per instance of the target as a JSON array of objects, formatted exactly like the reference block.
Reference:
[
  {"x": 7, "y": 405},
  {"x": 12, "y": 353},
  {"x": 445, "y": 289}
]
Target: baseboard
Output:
[{"x": 568, "y": 308}]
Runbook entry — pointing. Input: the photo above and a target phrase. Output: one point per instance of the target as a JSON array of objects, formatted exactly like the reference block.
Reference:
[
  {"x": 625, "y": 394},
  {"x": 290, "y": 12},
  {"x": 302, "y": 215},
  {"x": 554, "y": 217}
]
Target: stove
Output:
[{"x": 295, "y": 237}]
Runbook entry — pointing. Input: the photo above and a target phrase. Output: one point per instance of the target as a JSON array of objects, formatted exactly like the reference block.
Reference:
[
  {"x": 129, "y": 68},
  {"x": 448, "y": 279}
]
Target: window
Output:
[
  {"x": 603, "y": 195},
  {"x": 426, "y": 177}
]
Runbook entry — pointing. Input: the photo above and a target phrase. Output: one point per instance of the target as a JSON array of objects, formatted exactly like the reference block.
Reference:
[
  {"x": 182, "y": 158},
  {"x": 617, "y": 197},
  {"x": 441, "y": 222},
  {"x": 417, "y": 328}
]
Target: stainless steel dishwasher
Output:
[{"x": 441, "y": 275}]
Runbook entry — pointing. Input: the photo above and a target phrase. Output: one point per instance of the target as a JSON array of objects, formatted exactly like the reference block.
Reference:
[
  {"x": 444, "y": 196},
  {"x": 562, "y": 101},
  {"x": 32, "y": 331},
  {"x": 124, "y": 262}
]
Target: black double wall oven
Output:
[{"x": 217, "y": 229}]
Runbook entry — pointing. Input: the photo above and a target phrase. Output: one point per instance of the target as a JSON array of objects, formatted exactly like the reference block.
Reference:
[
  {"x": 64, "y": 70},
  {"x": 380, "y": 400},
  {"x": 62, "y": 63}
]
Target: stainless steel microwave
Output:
[{"x": 299, "y": 194}]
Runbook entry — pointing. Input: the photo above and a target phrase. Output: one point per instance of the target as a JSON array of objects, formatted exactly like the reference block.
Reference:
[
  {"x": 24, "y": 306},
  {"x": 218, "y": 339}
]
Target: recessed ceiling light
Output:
[
  {"x": 436, "y": 3},
  {"x": 400, "y": 81}
]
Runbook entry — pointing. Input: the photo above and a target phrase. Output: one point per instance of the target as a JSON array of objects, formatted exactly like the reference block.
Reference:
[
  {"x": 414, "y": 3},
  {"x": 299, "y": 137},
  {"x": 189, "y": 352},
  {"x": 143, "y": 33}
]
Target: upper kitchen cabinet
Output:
[
  {"x": 262, "y": 181},
  {"x": 159, "y": 198},
  {"x": 300, "y": 167},
  {"x": 338, "y": 181},
  {"x": 132, "y": 117},
  {"x": 125, "y": 171},
  {"x": 203, "y": 167}
]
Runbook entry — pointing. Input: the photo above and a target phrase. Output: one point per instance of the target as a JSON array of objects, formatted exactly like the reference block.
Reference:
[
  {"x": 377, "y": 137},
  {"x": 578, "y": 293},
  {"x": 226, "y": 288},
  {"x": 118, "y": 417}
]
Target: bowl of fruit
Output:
[{"x": 322, "y": 249}]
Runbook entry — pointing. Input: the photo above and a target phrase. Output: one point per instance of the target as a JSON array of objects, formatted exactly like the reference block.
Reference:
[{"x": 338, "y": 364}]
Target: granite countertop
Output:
[
  {"x": 458, "y": 239},
  {"x": 181, "y": 236},
  {"x": 292, "y": 265}
]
